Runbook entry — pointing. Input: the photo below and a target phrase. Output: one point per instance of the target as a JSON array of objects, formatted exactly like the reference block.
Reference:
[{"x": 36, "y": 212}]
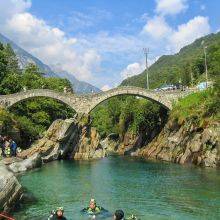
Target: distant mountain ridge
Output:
[
  {"x": 24, "y": 58},
  {"x": 80, "y": 87}
]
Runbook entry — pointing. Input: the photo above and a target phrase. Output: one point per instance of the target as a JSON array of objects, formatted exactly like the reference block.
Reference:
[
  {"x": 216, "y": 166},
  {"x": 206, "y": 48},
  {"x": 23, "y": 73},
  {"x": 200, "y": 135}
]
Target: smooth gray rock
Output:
[
  {"x": 30, "y": 163},
  {"x": 10, "y": 189}
]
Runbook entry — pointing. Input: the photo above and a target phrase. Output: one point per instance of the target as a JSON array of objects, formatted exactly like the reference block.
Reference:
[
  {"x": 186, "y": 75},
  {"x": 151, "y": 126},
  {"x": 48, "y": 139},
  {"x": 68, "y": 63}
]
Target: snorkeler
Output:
[
  {"x": 93, "y": 209},
  {"x": 119, "y": 215},
  {"x": 57, "y": 215}
]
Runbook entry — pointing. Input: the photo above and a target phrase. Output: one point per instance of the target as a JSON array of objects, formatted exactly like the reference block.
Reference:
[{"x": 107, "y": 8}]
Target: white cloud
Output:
[
  {"x": 170, "y": 7},
  {"x": 48, "y": 43},
  {"x": 157, "y": 27},
  {"x": 105, "y": 88},
  {"x": 10, "y": 7},
  {"x": 188, "y": 32},
  {"x": 104, "y": 42},
  {"x": 132, "y": 69}
]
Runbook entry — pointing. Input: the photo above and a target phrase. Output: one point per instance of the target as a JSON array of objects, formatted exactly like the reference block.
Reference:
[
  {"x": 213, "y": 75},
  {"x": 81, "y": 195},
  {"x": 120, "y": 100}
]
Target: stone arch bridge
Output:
[{"x": 84, "y": 104}]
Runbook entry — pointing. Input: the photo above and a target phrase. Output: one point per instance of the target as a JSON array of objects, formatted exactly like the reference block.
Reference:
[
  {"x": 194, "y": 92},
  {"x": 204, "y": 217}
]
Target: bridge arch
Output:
[
  {"x": 157, "y": 97},
  {"x": 10, "y": 100}
]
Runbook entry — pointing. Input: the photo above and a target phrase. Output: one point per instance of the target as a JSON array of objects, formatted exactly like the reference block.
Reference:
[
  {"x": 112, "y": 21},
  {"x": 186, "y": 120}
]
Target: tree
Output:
[
  {"x": 3, "y": 62},
  {"x": 186, "y": 75},
  {"x": 11, "y": 84},
  {"x": 12, "y": 60}
]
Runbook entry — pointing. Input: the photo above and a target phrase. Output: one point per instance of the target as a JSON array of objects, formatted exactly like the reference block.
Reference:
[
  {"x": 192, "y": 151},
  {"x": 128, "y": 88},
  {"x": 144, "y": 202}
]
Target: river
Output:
[{"x": 150, "y": 190}]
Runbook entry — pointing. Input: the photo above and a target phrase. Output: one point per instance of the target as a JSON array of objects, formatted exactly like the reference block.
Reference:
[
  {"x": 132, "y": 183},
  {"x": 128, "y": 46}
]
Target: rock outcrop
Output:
[
  {"x": 185, "y": 143},
  {"x": 10, "y": 189},
  {"x": 32, "y": 162},
  {"x": 89, "y": 146},
  {"x": 65, "y": 139},
  {"x": 58, "y": 141}
]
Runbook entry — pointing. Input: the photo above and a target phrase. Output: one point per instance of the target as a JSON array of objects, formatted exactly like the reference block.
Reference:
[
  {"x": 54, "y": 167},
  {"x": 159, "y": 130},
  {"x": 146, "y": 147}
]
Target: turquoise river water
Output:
[{"x": 150, "y": 190}]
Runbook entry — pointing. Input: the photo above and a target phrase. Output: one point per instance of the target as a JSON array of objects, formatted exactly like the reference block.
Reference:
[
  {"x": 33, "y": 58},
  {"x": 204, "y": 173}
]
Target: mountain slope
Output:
[
  {"x": 80, "y": 87},
  {"x": 24, "y": 58},
  {"x": 170, "y": 68}
]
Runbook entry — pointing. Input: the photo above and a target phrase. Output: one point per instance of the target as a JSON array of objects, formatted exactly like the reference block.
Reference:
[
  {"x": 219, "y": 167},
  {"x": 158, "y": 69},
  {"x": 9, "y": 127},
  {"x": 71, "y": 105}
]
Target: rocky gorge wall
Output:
[{"x": 185, "y": 144}]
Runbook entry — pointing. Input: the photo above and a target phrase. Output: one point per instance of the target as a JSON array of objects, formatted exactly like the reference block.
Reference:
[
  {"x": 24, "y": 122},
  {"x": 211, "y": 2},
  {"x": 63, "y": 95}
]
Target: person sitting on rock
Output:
[{"x": 58, "y": 214}]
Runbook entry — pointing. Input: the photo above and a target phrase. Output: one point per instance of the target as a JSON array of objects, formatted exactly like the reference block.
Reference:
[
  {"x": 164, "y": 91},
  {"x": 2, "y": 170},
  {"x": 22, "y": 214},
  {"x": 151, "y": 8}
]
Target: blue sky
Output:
[{"x": 101, "y": 41}]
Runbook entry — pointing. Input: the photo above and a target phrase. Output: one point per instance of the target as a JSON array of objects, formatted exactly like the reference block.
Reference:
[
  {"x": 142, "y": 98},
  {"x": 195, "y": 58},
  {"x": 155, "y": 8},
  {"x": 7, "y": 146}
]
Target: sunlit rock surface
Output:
[
  {"x": 10, "y": 189},
  {"x": 185, "y": 144}
]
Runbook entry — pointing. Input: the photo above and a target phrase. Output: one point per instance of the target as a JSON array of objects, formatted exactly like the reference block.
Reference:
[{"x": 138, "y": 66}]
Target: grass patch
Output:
[{"x": 200, "y": 108}]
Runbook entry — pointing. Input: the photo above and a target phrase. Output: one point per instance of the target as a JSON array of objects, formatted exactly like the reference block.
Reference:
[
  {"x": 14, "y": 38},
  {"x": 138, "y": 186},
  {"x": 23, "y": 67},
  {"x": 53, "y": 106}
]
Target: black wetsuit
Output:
[{"x": 55, "y": 217}]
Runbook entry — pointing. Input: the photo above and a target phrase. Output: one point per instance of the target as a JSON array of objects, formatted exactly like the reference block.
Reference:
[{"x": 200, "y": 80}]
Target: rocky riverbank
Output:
[
  {"x": 185, "y": 144},
  {"x": 66, "y": 139}
]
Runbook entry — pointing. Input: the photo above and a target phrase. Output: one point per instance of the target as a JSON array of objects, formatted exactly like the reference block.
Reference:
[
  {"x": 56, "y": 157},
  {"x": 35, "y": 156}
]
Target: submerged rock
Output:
[{"x": 10, "y": 189}]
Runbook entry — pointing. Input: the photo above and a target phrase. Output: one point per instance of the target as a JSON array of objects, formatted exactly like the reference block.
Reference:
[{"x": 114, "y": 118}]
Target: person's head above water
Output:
[
  {"x": 59, "y": 211},
  {"x": 119, "y": 215},
  {"x": 92, "y": 204}
]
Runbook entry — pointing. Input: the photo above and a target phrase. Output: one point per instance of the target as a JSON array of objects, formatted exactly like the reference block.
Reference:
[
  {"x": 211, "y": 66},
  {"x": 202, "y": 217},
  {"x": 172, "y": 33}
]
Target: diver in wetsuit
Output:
[
  {"x": 57, "y": 215},
  {"x": 93, "y": 209},
  {"x": 119, "y": 215}
]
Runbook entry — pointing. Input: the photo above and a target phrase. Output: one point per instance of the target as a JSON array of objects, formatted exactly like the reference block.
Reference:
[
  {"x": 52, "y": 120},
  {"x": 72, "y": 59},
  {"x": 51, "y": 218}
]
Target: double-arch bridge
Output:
[{"x": 84, "y": 104}]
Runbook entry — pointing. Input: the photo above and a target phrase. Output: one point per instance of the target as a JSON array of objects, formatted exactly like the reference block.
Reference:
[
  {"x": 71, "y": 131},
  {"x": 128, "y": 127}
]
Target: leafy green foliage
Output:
[
  {"x": 200, "y": 108},
  {"x": 34, "y": 116},
  {"x": 121, "y": 114}
]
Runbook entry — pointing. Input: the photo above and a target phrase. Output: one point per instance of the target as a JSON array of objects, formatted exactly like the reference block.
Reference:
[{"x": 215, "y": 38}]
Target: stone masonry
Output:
[{"x": 84, "y": 104}]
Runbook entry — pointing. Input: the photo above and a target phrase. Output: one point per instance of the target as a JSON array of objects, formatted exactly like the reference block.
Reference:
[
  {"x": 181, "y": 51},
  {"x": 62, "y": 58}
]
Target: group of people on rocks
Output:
[
  {"x": 93, "y": 210},
  {"x": 8, "y": 146}
]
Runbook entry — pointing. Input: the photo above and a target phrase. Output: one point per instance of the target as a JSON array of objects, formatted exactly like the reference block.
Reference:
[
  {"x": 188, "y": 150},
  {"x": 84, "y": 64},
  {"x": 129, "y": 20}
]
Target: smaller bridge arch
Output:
[{"x": 12, "y": 99}]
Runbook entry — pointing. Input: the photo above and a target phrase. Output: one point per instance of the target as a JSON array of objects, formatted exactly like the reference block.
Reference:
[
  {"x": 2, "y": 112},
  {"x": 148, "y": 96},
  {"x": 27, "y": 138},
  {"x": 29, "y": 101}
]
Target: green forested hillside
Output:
[
  {"x": 186, "y": 66},
  {"x": 29, "y": 118},
  {"x": 128, "y": 114}
]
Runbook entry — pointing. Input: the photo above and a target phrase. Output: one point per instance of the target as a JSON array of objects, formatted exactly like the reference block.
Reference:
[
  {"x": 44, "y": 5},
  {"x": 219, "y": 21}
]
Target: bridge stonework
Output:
[{"x": 84, "y": 104}]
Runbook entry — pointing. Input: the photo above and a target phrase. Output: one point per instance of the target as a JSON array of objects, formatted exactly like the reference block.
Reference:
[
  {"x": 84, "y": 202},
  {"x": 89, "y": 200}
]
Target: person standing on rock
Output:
[{"x": 13, "y": 147}]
